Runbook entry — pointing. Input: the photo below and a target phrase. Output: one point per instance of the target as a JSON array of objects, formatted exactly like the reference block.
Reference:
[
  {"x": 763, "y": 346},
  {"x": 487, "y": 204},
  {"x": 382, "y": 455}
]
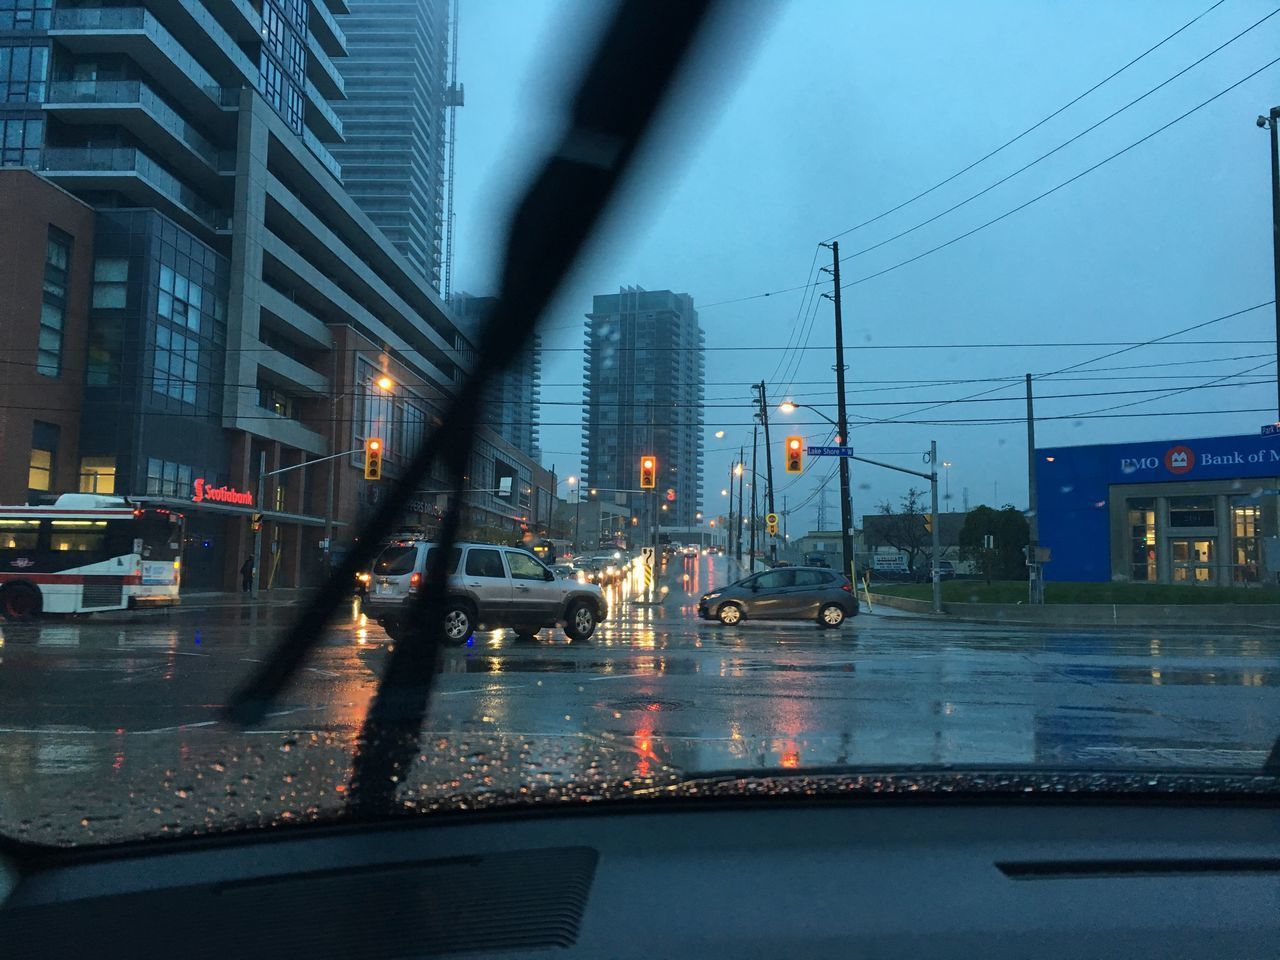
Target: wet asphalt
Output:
[{"x": 110, "y": 727}]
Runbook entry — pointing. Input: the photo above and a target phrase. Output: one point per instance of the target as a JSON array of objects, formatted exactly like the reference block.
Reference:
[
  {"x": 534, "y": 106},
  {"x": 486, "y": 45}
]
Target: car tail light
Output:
[
  {"x": 846, "y": 587},
  {"x": 415, "y": 581}
]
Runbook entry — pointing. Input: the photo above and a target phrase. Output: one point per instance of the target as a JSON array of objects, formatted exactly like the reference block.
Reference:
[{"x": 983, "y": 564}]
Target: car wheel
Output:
[
  {"x": 457, "y": 624},
  {"x": 729, "y": 614},
  {"x": 580, "y": 621},
  {"x": 831, "y": 615},
  {"x": 20, "y": 602}
]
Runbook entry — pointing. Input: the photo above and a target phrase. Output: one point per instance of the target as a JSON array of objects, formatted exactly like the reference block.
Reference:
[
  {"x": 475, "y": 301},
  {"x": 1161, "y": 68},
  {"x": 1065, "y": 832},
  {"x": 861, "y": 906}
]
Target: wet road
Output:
[{"x": 108, "y": 728}]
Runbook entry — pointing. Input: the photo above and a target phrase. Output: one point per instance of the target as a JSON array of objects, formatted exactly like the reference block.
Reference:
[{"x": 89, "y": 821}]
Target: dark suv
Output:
[
  {"x": 784, "y": 593},
  {"x": 489, "y": 587}
]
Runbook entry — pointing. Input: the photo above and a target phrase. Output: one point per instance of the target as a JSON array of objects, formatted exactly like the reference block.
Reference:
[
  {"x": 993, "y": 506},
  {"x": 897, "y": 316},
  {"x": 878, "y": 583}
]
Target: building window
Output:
[
  {"x": 271, "y": 397},
  {"x": 53, "y": 306},
  {"x": 25, "y": 14},
  {"x": 1142, "y": 539},
  {"x": 273, "y": 30},
  {"x": 97, "y": 474},
  {"x": 44, "y": 453},
  {"x": 20, "y": 141},
  {"x": 1193, "y": 559},
  {"x": 293, "y": 107},
  {"x": 297, "y": 57},
  {"x": 167, "y": 479},
  {"x": 1191, "y": 512},
  {"x": 23, "y": 71},
  {"x": 110, "y": 279},
  {"x": 40, "y": 470},
  {"x": 176, "y": 365}
]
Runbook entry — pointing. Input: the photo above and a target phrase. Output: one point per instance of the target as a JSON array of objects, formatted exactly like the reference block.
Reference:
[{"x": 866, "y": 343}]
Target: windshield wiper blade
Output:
[{"x": 634, "y": 65}]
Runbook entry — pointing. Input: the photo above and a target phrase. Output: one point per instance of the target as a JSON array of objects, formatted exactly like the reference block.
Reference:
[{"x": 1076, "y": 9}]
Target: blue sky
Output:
[{"x": 837, "y": 111}]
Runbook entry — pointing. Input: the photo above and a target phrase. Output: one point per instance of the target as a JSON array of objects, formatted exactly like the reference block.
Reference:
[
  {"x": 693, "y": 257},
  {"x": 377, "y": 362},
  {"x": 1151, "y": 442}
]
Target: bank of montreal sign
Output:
[{"x": 1203, "y": 459}]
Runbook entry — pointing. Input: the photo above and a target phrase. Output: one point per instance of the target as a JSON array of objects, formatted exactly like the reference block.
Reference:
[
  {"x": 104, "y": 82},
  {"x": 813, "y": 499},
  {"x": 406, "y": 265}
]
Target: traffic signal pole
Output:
[
  {"x": 755, "y": 434},
  {"x": 768, "y": 466},
  {"x": 842, "y": 425}
]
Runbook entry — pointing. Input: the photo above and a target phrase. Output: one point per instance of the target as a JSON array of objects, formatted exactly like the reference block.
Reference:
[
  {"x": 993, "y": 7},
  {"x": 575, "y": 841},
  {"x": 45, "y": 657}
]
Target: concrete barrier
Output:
[{"x": 1200, "y": 615}]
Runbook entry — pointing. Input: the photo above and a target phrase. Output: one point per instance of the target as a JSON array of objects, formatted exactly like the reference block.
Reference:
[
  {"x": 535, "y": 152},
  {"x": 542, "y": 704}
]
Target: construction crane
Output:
[{"x": 454, "y": 98}]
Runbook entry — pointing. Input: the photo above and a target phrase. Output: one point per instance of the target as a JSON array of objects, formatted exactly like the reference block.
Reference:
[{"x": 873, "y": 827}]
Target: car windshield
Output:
[{"x": 901, "y": 378}]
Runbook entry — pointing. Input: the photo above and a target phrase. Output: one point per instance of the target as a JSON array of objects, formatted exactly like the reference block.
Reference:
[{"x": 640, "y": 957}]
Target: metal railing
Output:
[
  {"x": 137, "y": 92},
  {"x": 132, "y": 160}
]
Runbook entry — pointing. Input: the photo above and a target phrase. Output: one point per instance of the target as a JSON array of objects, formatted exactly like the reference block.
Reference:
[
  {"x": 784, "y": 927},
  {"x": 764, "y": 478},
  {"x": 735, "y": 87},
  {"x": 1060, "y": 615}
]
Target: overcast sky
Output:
[{"x": 841, "y": 110}]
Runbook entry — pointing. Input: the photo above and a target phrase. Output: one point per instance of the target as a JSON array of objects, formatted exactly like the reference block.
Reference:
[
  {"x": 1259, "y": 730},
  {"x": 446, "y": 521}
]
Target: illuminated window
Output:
[{"x": 98, "y": 475}]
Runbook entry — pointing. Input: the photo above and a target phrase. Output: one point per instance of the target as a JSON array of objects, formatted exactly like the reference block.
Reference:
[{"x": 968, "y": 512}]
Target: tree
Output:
[
  {"x": 1009, "y": 532},
  {"x": 903, "y": 530}
]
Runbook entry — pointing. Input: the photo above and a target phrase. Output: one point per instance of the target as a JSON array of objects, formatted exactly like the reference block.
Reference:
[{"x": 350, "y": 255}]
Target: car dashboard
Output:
[{"x": 693, "y": 879}]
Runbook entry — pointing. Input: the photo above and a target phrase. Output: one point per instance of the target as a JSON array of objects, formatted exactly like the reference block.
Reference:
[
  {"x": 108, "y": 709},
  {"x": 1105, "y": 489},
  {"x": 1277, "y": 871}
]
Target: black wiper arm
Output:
[{"x": 631, "y": 72}]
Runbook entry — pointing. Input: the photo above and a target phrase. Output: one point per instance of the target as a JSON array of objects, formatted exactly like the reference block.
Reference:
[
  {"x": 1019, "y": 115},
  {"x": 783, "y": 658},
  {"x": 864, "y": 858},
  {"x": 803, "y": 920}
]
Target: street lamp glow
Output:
[
  {"x": 571, "y": 480},
  {"x": 787, "y": 406},
  {"x": 385, "y": 382},
  {"x": 737, "y": 470},
  {"x": 719, "y": 434},
  {"x": 724, "y": 493}
]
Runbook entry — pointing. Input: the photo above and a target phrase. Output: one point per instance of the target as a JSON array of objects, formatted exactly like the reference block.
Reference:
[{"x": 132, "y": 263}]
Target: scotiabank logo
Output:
[
  {"x": 203, "y": 491},
  {"x": 1179, "y": 459}
]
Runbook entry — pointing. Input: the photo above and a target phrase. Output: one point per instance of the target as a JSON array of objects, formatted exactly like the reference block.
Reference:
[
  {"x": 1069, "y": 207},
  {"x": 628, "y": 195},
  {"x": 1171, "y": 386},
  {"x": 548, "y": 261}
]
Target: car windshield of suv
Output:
[{"x": 944, "y": 334}]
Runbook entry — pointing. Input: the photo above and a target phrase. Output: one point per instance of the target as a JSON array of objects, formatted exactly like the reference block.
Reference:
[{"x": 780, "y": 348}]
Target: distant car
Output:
[
  {"x": 490, "y": 587},
  {"x": 790, "y": 593},
  {"x": 566, "y": 571},
  {"x": 816, "y": 560}
]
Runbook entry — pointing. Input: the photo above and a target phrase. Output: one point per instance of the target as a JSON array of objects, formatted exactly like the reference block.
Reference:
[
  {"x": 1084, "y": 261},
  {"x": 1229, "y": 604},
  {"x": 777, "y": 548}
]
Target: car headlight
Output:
[
  {"x": 362, "y": 577},
  {"x": 711, "y": 596}
]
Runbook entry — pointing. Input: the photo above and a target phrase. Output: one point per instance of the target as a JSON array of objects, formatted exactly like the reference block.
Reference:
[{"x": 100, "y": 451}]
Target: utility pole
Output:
[
  {"x": 842, "y": 424},
  {"x": 728, "y": 546},
  {"x": 1272, "y": 123},
  {"x": 741, "y": 479},
  {"x": 786, "y": 538},
  {"x": 936, "y": 532},
  {"x": 1035, "y": 586},
  {"x": 768, "y": 466},
  {"x": 755, "y": 444}
]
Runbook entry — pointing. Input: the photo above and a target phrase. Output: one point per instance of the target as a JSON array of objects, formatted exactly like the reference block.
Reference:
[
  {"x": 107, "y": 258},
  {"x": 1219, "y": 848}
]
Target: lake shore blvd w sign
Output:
[{"x": 831, "y": 451}]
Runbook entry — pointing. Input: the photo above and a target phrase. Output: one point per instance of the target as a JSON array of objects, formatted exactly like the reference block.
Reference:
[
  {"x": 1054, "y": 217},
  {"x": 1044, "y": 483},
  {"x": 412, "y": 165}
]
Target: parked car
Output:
[
  {"x": 790, "y": 593},
  {"x": 490, "y": 587},
  {"x": 816, "y": 560},
  {"x": 566, "y": 571}
]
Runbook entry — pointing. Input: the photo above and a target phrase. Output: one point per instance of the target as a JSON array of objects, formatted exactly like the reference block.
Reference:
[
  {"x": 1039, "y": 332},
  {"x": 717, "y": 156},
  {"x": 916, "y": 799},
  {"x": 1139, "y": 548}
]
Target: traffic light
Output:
[
  {"x": 373, "y": 459},
  {"x": 648, "y": 472},
  {"x": 928, "y": 523},
  {"x": 771, "y": 524},
  {"x": 795, "y": 454},
  {"x": 671, "y": 494}
]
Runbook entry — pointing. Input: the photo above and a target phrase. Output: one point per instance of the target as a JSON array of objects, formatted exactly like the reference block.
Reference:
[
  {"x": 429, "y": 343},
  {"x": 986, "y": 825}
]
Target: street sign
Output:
[
  {"x": 831, "y": 451},
  {"x": 646, "y": 556},
  {"x": 771, "y": 519},
  {"x": 1269, "y": 429}
]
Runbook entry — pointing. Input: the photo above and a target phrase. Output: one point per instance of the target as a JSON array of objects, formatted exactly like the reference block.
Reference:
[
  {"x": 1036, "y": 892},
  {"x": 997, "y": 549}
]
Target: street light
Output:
[
  {"x": 946, "y": 466},
  {"x": 788, "y": 406},
  {"x": 577, "y": 509},
  {"x": 385, "y": 383},
  {"x": 719, "y": 434}
]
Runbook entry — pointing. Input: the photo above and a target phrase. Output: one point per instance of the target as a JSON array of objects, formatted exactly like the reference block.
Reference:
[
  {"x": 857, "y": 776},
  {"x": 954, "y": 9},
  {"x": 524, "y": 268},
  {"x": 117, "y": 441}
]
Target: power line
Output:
[
  {"x": 1030, "y": 129},
  {"x": 1064, "y": 144},
  {"x": 1064, "y": 183}
]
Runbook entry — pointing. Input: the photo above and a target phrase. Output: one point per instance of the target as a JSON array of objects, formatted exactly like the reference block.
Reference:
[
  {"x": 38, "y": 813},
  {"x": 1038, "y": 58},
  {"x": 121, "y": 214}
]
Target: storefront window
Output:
[
  {"x": 1191, "y": 512},
  {"x": 1193, "y": 559},
  {"x": 1142, "y": 539},
  {"x": 1245, "y": 514}
]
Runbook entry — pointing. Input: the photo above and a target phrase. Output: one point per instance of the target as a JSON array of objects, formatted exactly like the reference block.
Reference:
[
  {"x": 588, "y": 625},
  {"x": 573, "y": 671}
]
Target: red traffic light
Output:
[
  {"x": 648, "y": 472},
  {"x": 795, "y": 454}
]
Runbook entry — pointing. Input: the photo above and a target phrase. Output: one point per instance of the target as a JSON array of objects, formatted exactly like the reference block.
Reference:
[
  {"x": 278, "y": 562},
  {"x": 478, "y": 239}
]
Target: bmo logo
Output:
[{"x": 1179, "y": 459}]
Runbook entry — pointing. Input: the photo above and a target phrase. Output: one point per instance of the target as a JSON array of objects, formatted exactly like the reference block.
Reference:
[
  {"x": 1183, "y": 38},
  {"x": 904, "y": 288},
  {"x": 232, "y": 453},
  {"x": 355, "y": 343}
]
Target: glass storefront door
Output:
[
  {"x": 1245, "y": 559},
  {"x": 1192, "y": 559}
]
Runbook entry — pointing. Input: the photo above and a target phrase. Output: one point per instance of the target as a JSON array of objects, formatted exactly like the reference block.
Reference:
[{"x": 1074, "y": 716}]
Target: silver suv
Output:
[{"x": 489, "y": 587}]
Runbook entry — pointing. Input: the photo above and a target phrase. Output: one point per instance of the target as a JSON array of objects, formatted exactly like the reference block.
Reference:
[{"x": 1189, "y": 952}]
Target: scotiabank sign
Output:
[{"x": 205, "y": 491}]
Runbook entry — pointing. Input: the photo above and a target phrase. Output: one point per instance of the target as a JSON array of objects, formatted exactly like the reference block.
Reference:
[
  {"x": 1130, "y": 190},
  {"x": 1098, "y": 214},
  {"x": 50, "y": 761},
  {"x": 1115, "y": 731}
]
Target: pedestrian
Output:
[{"x": 246, "y": 575}]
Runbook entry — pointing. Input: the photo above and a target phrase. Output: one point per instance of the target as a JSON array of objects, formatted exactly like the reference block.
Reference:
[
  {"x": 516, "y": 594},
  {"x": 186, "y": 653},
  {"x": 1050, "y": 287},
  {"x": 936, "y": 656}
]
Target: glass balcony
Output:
[
  {"x": 102, "y": 93},
  {"x": 322, "y": 153},
  {"x": 326, "y": 31},
  {"x": 323, "y": 72},
  {"x": 321, "y": 117},
  {"x": 92, "y": 164}
]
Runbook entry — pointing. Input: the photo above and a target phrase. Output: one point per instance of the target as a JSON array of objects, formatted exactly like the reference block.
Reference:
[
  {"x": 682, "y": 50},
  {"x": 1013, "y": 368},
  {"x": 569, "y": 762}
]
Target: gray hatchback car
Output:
[{"x": 784, "y": 593}]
